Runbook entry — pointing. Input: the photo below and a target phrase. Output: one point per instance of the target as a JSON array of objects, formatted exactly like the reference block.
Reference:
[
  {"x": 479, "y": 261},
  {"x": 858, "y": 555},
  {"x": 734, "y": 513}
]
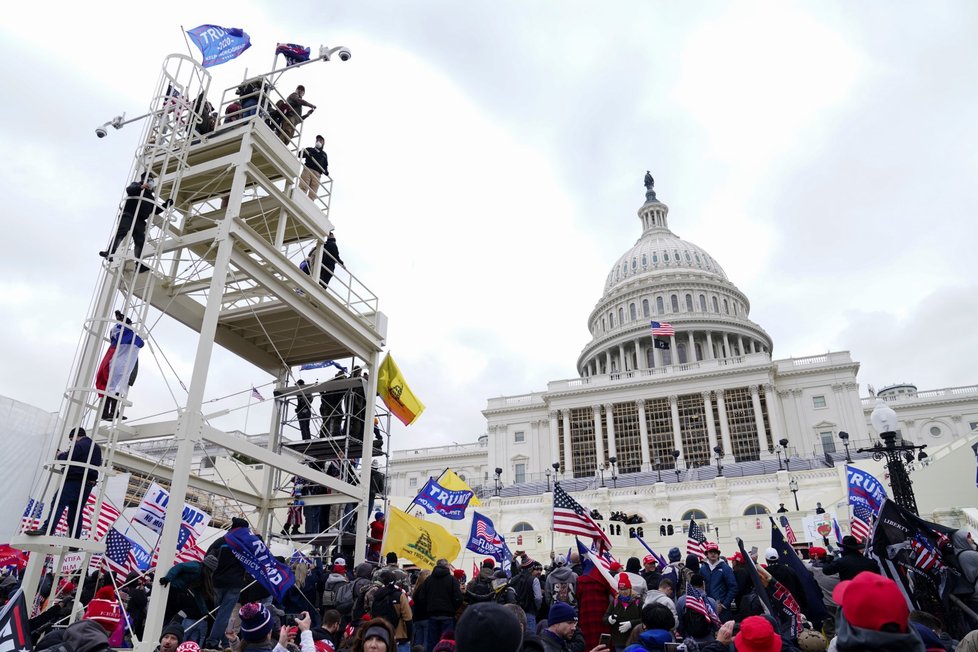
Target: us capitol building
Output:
[{"x": 704, "y": 422}]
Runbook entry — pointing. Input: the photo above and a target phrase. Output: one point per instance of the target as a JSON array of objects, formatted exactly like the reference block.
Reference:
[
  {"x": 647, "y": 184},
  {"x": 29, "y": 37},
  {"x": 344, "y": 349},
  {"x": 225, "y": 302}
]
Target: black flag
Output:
[
  {"x": 777, "y": 599},
  {"x": 15, "y": 635},
  {"x": 661, "y": 344}
]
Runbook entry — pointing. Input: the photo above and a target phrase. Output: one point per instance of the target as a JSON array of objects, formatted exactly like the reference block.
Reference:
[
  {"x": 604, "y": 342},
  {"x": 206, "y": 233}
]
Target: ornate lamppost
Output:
[
  {"x": 547, "y": 472},
  {"x": 844, "y": 436},
  {"x": 884, "y": 421},
  {"x": 719, "y": 455},
  {"x": 787, "y": 460},
  {"x": 601, "y": 471},
  {"x": 614, "y": 471},
  {"x": 499, "y": 473},
  {"x": 793, "y": 487},
  {"x": 675, "y": 456}
]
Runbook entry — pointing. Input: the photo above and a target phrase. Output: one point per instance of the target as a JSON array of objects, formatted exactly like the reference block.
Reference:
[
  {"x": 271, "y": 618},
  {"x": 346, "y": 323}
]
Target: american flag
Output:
[
  {"x": 571, "y": 518},
  {"x": 662, "y": 328},
  {"x": 788, "y": 532},
  {"x": 31, "y": 520},
  {"x": 695, "y": 540},
  {"x": 255, "y": 394},
  {"x": 117, "y": 546},
  {"x": 862, "y": 521},
  {"x": 924, "y": 558},
  {"x": 485, "y": 531},
  {"x": 698, "y": 603},
  {"x": 187, "y": 548},
  {"x": 107, "y": 517}
]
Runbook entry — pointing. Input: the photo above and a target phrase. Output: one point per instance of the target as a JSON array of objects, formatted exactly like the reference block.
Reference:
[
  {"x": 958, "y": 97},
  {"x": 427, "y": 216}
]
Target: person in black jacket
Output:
[
  {"x": 852, "y": 562},
  {"x": 439, "y": 597},
  {"x": 140, "y": 204},
  {"x": 78, "y": 482},
  {"x": 228, "y": 579},
  {"x": 787, "y": 576},
  {"x": 331, "y": 256},
  {"x": 316, "y": 165},
  {"x": 303, "y": 410}
]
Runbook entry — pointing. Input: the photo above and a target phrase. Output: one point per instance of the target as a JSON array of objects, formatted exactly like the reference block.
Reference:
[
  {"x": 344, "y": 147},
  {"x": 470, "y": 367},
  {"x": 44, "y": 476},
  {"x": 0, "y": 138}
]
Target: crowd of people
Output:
[{"x": 689, "y": 604}]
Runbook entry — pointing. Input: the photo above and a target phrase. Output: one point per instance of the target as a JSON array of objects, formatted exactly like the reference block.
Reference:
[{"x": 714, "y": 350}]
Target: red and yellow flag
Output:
[{"x": 396, "y": 394}]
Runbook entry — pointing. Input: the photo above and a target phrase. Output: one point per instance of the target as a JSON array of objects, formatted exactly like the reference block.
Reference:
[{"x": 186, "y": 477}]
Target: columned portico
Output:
[
  {"x": 711, "y": 430},
  {"x": 773, "y": 411}
]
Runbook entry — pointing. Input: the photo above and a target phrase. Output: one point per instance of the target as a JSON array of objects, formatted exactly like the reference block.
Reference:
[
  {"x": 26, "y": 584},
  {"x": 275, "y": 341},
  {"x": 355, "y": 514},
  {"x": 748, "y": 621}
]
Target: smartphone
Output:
[
  {"x": 670, "y": 647},
  {"x": 605, "y": 640}
]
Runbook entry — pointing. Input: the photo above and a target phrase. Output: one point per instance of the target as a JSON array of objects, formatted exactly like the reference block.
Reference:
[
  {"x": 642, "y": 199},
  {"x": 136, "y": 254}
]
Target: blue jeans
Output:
[
  {"x": 72, "y": 495},
  {"x": 225, "y": 599},
  {"x": 311, "y": 514},
  {"x": 420, "y": 633},
  {"x": 531, "y": 623},
  {"x": 196, "y": 633},
  {"x": 436, "y": 626}
]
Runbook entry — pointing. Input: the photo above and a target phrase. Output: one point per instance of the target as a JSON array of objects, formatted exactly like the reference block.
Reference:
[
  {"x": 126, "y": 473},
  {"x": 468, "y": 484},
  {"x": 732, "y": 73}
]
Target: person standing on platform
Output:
[
  {"x": 140, "y": 204},
  {"x": 377, "y": 532},
  {"x": 296, "y": 102},
  {"x": 303, "y": 410},
  {"x": 331, "y": 409},
  {"x": 78, "y": 482},
  {"x": 122, "y": 365},
  {"x": 316, "y": 164},
  {"x": 331, "y": 256}
]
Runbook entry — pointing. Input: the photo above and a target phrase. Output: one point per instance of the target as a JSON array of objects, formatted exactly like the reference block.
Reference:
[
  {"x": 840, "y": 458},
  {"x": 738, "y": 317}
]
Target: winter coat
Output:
[
  {"x": 592, "y": 603},
  {"x": 140, "y": 202},
  {"x": 720, "y": 583},
  {"x": 479, "y": 589},
  {"x": 619, "y": 612},
  {"x": 316, "y": 160},
  {"x": 658, "y": 597},
  {"x": 561, "y": 574},
  {"x": 440, "y": 595},
  {"x": 652, "y": 640},
  {"x": 79, "y": 453},
  {"x": 849, "y": 638},
  {"x": 229, "y": 574},
  {"x": 850, "y": 564},
  {"x": 966, "y": 555}
]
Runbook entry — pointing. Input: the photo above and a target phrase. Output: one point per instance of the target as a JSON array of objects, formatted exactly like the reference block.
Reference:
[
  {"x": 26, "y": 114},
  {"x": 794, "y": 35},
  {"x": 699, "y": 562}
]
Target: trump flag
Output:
[{"x": 483, "y": 539}]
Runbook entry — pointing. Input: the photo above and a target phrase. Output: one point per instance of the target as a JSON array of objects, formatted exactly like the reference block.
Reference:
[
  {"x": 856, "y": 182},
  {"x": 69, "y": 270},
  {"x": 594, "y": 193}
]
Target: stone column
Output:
[
  {"x": 640, "y": 358},
  {"x": 740, "y": 345},
  {"x": 554, "y": 437},
  {"x": 568, "y": 454},
  {"x": 690, "y": 348},
  {"x": 711, "y": 429},
  {"x": 677, "y": 437},
  {"x": 774, "y": 412},
  {"x": 726, "y": 346},
  {"x": 609, "y": 415},
  {"x": 656, "y": 355},
  {"x": 673, "y": 350},
  {"x": 753, "y": 345},
  {"x": 724, "y": 426},
  {"x": 710, "y": 355},
  {"x": 755, "y": 400},
  {"x": 643, "y": 436},
  {"x": 622, "y": 367},
  {"x": 598, "y": 437},
  {"x": 607, "y": 361}
]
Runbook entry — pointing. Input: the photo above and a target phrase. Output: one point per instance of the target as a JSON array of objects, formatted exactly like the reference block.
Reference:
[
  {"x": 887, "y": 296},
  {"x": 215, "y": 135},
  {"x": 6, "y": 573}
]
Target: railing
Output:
[
  {"x": 639, "y": 374},
  {"x": 406, "y": 455},
  {"x": 946, "y": 392}
]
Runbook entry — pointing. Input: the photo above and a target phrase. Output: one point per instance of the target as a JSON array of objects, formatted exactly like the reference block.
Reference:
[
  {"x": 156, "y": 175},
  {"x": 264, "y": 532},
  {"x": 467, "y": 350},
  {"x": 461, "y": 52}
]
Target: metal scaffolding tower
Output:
[{"x": 223, "y": 261}]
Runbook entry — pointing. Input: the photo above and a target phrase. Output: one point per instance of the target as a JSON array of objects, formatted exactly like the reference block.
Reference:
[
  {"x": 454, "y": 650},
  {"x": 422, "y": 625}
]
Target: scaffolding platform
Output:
[{"x": 327, "y": 449}]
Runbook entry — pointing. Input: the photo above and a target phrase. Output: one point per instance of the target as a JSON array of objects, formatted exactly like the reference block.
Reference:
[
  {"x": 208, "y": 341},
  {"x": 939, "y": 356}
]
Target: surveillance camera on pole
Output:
[{"x": 326, "y": 53}]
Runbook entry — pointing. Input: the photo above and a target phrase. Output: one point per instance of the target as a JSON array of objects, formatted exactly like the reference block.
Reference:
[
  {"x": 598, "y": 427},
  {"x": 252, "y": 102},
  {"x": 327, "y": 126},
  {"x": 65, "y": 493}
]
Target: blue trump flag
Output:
[
  {"x": 483, "y": 539},
  {"x": 256, "y": 558},
  {"x": 866, "y": 496},
  {"x": 436, "y": 499},
  {"x": 219, "y": 44},
  {"x": 321, "y": 365}
]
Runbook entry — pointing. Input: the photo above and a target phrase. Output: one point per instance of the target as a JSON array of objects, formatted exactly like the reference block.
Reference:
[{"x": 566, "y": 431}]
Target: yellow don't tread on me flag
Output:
[
  {"x": 396, "y": 394},
  {"x": 450, "y": 480},
  {"x": 422, "y": 542}
]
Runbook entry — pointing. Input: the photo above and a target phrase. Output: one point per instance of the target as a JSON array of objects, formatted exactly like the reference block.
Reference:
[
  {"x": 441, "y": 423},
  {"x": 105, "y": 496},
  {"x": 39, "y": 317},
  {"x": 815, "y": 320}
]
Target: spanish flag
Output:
[
  {"x": 450, "y": 480},
  {"x": 422, "y": 542},
  {"x": 396, "y": 394}
]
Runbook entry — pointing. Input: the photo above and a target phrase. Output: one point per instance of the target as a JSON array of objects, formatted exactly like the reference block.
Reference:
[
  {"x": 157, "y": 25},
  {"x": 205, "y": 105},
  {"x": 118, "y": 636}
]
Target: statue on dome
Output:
[{"x": 649, "y": 186}]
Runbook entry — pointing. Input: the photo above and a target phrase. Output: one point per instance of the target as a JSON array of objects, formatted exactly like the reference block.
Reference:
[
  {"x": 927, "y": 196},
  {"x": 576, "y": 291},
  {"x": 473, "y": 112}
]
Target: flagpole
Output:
[
  {"x": 187, "y": 41},
  {"x": 248, "y": 409}
]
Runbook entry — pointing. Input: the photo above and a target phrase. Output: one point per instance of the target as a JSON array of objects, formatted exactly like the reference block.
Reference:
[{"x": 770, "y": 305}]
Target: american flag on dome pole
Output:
[
  {"x": 572, "y": 518},
  {"x": 662, "y": 329}
]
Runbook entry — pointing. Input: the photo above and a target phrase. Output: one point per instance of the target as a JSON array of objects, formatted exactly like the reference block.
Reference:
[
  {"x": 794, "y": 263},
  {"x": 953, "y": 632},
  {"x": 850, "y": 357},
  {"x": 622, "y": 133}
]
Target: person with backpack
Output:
[
  {"x": 693, "y": 623},
  {"x": 479, "y": 588},
  {"x": 439, "y": 597},
  {"x": 561, "y": 582},
  {"x": 392, "y": 604},
  {"x": 334, "y": 582},
  {"x": 529, "y": 593}
]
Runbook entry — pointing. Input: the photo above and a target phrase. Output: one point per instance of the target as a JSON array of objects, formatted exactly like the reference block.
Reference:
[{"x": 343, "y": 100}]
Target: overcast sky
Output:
[{"x": 488, "y": 158}]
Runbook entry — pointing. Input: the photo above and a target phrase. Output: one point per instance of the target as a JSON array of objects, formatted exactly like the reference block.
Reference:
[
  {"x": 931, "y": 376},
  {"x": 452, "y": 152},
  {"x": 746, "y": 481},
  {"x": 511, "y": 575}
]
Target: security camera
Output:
[
  {"x": 326, "y": 53},
  {"x": 101, "y": 132},
  {"x": 345, "y": 54}
]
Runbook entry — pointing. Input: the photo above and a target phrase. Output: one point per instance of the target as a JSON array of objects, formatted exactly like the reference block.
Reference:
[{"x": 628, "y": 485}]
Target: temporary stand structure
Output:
[{"x": 223, "y": 261}]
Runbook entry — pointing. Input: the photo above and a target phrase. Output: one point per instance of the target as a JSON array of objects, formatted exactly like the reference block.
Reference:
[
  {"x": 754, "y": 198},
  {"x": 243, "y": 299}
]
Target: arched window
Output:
[
  {"x": 522, "y": 526},
  {"x": 726, "y": 307},
  {"x": 689, "y": 303},
  {"x": 611, "y": 320},
  {"x": 645, "y": 260},
  {"x": 683, "y": 359},
  {"x": 703, "y": 303},
  {"x": 621, "y": 316},
  {"x": 645, "y": 308},
  {"x": 655, "y": 259},
  {"x": 665, "y": 256},
  {"x": 716, "y": 306},
  {"x": 675, "y": 303},
  {"x": 660, "y": 306},
  {"x": 756, "y": 510},
  {"x": 604, "y": 325},
  {"x": 735, "y": 308},
  {"x": 632, "y": 314},
  {"x": 699, "y": 515}
]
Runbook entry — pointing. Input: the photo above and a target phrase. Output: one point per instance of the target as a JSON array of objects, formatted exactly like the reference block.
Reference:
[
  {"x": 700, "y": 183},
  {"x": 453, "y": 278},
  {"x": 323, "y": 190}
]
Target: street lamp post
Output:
[
  {"x": 614, "y": 471},
  {"x": 675, "y": 457},
  {"x": 601, "y": 471},
  {"x": 658, "y": 469},
  {"x": 777, "y": 451},
  {"x": 784, "y": 446},
  {"x": 793, "y": 486},
  {"x": 556, "y": 468},
  {"x": 719, "y": 455},
  {"x": 499, "y": 473},
  {"x": 844, "y": 436},
  {"x": 884, "y": 421},
  {"x": 547, "y": 473}
]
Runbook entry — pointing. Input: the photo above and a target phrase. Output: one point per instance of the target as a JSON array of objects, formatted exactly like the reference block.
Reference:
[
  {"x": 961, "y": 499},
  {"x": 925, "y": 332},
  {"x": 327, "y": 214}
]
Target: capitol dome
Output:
[{"x": 666, "y": 279}]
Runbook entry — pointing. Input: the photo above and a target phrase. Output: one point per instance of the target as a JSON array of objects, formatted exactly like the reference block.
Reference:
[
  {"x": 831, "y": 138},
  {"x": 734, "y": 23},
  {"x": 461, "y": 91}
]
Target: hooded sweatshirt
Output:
[
  {"x": 561, "y": 574},
  {"x": 652, "y": 640},
  {"x": 966, "y": 555},
  {"x": 850, "y": 638},
  {"x": 85, "y": 636}
]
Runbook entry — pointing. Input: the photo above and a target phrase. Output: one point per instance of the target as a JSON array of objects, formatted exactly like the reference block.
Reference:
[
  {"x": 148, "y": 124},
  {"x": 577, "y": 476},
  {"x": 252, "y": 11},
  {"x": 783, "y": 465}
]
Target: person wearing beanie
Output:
[
  {"x": 104, "y": 610},
  {"x": 228, "y": 578},
  {"x": 479, "y": 588},
  {"x": 873, "y": 615},
  {"x": 84, "y": 636},
  {"x": 377, "y": 533},
  {"x": 624, "y": 612},
  {"x": 401, "y": 578},
  {"x": 633, "y": 568},
  {"x": 561, "y": 628},
  {"x": 393, "y": 605},
  {"x": 677, "y": 572},
  {"x": 374, "y": 635},
  {"x": 256, "y": 626},
  {"x": 170, "y": 638}
]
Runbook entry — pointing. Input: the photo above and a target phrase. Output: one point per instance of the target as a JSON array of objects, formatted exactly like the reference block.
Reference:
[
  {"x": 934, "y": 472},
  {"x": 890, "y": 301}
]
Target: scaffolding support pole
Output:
[{"x": 366, "y": 460}]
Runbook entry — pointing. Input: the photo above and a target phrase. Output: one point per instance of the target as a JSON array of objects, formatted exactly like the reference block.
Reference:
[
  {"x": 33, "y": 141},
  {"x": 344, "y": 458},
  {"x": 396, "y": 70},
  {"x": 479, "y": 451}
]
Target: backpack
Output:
[
  {"x": 563, "y": 592},
  {"x": 384, "y": 605},
  {"x": 523, "y": 585},
  {"x": 350, "y": 594}
]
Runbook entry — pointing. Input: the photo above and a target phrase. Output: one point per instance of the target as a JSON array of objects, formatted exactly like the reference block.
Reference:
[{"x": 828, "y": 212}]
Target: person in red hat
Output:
[
  {"x": 873, "y": 616},
  {"x": 624, "y": 612},
  {"x": 104, "y": 609},
  {"x": 721, "y": 585},
  {"x": 756, "y": 635}
]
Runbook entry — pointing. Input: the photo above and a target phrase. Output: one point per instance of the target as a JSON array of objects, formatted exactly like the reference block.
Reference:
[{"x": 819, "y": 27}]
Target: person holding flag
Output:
[
  {"x": 191, "y": 593},
  {"x": 851, "y": 562}
]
